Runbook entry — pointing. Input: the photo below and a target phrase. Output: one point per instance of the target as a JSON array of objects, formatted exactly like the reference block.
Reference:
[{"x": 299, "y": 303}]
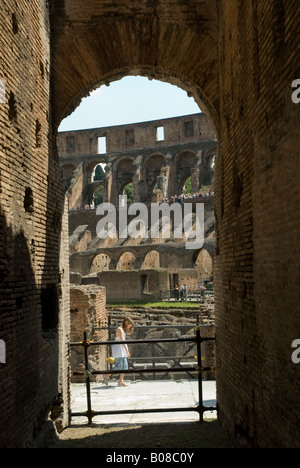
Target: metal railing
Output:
[
  {"x": 198, "y": 369},
  {"x": 191, "y": 296},
  {"x": 163, "y": 360}
]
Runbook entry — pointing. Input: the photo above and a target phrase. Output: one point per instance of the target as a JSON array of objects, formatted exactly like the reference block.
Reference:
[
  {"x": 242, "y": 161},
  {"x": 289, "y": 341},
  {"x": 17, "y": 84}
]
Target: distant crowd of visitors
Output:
[
  {"x": 186, "y": 196},
  {"x": 181, "y": 292},
  {"x": 172, "y": 199}
]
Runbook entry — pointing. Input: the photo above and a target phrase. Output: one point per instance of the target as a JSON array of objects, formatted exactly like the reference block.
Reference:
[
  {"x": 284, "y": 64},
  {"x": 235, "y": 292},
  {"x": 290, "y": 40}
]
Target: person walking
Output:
[{"x": 120, "y": 352}]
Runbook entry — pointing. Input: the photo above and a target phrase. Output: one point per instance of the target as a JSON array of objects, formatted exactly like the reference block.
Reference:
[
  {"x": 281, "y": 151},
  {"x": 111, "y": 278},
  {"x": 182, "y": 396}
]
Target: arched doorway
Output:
[
  {"x": 109, "y": 64},
  {"x": 126, "y": 261},
  {"x": 123, "y": 180},
  {"x": 100, "y": 263},
  {"x": 183, "y": 169},
  {"x": 151, "y": 260}
]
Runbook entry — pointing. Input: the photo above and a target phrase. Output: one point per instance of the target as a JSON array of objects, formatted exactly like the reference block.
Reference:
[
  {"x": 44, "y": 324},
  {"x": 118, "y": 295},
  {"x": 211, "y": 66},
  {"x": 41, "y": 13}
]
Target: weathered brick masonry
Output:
[
  {"x": 188, "y": 148},
  {"x": 238, "y": 58},
  {"x": 88, "y": 311},
  {"x": 257, "y": 209},
  {"x": 33, "y": 271}
]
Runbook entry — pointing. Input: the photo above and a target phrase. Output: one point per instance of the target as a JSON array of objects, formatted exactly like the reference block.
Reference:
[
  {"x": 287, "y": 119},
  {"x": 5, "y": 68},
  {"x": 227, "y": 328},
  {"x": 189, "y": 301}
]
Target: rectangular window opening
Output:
[
  {"x": 160, "y": 133},
  {"x": 144, "y": 283},
  {"x": 189, "y": 129},
  {"x": 101, "y": 145},
  {"x": 129, "y": 135}
]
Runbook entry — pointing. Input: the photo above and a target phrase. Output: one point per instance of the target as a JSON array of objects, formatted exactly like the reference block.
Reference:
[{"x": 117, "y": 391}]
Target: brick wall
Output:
[
  {"x": 239, "y": 59},
  {"x": 88, "y": 310},
  {"x": 136, "y": 136},
  {"x": 134, "y": 285},
  {"x": 33, "y": 274},
  {"x": 257, "y": 180}
]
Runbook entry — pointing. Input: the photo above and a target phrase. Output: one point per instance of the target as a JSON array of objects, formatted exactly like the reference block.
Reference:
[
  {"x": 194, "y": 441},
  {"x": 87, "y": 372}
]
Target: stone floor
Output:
[
  {"x": 155, "y": 432},
  {"x": 140, "y": 396}
]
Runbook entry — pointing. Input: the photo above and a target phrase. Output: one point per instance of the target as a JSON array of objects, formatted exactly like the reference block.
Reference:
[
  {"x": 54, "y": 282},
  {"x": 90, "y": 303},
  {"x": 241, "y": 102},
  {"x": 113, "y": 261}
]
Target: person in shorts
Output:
[{"x": 120, "y": 352}]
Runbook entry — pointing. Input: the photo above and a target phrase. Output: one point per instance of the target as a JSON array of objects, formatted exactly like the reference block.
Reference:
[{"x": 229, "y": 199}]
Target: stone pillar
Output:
[
  {"x": 88, "y": 310},
  {"x": 162, "y": 184}
]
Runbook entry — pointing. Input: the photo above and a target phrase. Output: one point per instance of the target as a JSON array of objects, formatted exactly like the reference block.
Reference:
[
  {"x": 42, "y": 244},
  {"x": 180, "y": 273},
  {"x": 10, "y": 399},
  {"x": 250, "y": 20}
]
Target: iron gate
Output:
[{"x": 198, "y": 369}]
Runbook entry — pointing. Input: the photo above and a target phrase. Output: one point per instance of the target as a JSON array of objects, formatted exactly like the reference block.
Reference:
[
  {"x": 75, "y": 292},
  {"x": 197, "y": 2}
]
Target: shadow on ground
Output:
[{"x": 165, "y": 435}]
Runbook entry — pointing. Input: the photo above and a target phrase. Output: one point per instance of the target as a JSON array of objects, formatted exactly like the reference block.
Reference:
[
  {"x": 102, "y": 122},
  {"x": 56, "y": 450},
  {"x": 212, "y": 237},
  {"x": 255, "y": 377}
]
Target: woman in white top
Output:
[{"x": 120, "y": 351}]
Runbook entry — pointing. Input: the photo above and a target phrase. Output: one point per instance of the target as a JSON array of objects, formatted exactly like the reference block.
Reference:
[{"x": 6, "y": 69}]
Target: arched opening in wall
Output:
[
  {"x": 126, "y": 262},
  {"x": 98, "y": 177},
  {"x": 93, "y": 170},
  {"x": 144, "y": 155},
  {"x": 185, "y": 169},
  {"x": 151, "y": 261},
  {"x": 92, "y": 195},
  {"x": 98, "y": 172},
  {"x": 204, "y": 265},
  {"x": 100, "y": 263},
  {"x": 123, "y": 183}
]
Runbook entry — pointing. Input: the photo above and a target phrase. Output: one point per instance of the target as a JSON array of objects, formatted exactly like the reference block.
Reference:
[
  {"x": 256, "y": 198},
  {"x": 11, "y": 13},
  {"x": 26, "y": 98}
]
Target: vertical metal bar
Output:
[
  {"x": 153, "y": 361},
  {"x": 199, "y": 363},
  {"x": 87, "y": 379}
]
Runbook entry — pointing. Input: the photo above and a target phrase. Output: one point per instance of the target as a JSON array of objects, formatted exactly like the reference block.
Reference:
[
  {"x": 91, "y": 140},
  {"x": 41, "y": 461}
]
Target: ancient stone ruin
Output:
[
  {"x": 240, "y": 62},
  {"x": 141, "y": 268}
]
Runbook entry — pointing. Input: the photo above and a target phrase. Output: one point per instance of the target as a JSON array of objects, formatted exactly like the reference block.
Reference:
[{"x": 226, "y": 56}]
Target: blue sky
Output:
[{"x": 130, "y": 100}]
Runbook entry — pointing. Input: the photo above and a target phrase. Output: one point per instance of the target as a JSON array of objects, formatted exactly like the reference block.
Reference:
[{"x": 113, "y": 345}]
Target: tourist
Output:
[
  {"x": 181, "y": 293},
  {"x": 120, "y": 352},
  {"x": 202, "y": 289},
  {"x": 185, "y": 292}
]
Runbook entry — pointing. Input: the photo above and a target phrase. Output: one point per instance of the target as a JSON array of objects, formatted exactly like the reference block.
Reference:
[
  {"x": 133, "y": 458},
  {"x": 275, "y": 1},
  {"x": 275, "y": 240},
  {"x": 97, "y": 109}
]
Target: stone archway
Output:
[
  {"x": 238, "y": 59},
  {"x": 101, "y": 262},
  {"x": 122, "y": 174},
  {"x": 110, "y": 42},
  {"x": 183, "y": 168},
  {"x": 126, "y": 261},
  {"x": 151, "y": 260},
  {"x": 167, "y": 46},
  {"x": 203, "y": 264},
  {"x": 215, "y": 51}
]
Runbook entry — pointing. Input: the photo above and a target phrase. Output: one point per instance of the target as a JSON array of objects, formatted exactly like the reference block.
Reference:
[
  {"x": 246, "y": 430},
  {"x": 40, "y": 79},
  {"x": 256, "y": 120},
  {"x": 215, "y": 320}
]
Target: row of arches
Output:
[
  {"x": 145, "y": 178},
  {"x": 128, "y": 261}
]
